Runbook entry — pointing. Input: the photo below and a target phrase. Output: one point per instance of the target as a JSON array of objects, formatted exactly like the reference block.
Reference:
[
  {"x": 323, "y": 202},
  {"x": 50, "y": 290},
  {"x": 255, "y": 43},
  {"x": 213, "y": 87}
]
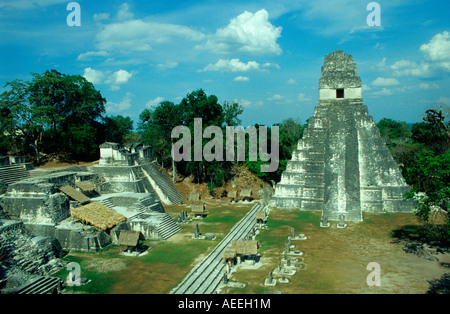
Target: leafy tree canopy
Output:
[{"x": 48, "y": 113}]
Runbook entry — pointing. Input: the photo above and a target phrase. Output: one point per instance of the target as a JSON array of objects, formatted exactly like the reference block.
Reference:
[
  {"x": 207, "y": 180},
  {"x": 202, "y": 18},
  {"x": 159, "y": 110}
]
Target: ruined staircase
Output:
[
  {"x": 13, "y": 173},
  {"x": 41, "y": 285},
  {"x": 161, "y": 184},
  {"x": 168, "y": 227}
]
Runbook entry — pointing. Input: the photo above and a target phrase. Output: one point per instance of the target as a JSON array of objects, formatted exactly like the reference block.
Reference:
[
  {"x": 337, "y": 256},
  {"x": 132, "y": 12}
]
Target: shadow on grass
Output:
[
  {"x": 440, "y": 286},
  {"x": 434, "y": 236}
]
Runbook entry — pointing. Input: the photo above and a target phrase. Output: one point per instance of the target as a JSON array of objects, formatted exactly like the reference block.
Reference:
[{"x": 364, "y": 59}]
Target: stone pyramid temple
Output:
[{"x": 341, "y": 165}]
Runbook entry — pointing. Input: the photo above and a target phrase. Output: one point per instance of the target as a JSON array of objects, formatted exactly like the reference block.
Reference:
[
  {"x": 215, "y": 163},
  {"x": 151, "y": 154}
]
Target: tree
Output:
[
  {"x": 117, "y": 128},
  {"x": 436, "y": 117},
  {"x": 428, "y": 134},
  {"x": 156, "y": 125},
  {"x": 395, "y": 133},
  {"x": 231, "y": 113},
  {"x": 430, "y": 174},
  {"x": 290, "y": 132},
  {"x": 429, "y": 171},
  {"x": 48, "y": 111}
]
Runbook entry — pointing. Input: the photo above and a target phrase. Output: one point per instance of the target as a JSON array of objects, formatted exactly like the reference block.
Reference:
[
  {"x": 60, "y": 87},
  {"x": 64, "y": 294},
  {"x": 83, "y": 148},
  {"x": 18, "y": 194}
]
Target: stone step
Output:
[
  {"x": 13, "y": 173},
  {"x": 168, "y": 227},
  {"x": 41, "y": 285},
  {"x": 163, "y": 183},
  {"x": 108, "y": 203}
]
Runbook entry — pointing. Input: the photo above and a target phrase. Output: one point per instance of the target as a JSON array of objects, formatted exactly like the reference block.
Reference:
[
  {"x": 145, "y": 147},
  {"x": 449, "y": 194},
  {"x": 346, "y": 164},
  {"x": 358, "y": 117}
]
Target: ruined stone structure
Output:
[
  {"x": 125, "y": 181},
  {"x": 133, "y": 171},
  {"x": 341, "y": 165},
  {"x": 45, "y": 213}
]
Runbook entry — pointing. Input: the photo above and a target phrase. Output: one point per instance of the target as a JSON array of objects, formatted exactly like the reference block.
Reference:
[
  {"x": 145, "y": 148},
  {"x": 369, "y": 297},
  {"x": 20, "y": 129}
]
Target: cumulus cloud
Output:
[
  {"x": 302, "y": 97},
  {"x": 247, "y": 33},
  {"x": 138, "y": 35},
  {"x": 235, "y": 65},
  {"x": 383, "y": 92},
  {"x": 119, "y": 78},
  {"x": 123, "y": 105},
  {"x": 124, "y": 13},
  {"x": 90, "y": 54},
  {"x": 154, "y": 102},
  {"x": 410, "y": 68},
  {"x": 93, "y": 76},
  {"x": 291, "y": 81},
  {"x": 168, "y": 65},
  {"x": 381, "y": 81},
  {"x": 276, "y": 97},
  {"x": 100, "y": 17},
  {"x": 26, "y": 4},
  {"x": 438, "y": 50},
  {"x": 241, "y": 79}
]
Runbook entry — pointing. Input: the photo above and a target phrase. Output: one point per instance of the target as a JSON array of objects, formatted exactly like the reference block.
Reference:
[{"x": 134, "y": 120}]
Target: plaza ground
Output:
[{"x": 333, "y": 261}]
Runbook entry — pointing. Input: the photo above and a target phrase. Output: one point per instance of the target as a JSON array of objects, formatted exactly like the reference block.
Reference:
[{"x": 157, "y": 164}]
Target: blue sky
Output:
[{"x": 267, "y": 55}]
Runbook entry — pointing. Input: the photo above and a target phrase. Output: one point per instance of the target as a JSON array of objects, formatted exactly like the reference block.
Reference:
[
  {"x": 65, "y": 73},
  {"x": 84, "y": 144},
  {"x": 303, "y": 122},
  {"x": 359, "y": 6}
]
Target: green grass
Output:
[
  {"x": 100, "y": 283},
  {"x": 166, "y": 263}
]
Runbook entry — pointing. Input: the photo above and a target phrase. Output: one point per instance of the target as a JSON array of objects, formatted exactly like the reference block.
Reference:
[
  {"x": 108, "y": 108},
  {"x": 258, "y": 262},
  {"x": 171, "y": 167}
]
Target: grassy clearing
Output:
[
  {"x": 334, "y": 260},
  {"x": 166, "y": 263}
]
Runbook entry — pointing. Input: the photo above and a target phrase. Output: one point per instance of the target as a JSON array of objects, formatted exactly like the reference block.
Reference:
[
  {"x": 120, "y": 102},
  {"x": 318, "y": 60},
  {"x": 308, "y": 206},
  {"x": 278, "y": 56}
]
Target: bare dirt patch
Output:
[{"x": 335, "y": 260}]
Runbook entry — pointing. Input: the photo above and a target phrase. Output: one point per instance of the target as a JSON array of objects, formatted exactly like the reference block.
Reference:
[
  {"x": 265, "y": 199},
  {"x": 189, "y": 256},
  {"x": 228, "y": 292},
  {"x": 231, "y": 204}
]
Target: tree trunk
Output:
[{"x": 36, "y": 150}]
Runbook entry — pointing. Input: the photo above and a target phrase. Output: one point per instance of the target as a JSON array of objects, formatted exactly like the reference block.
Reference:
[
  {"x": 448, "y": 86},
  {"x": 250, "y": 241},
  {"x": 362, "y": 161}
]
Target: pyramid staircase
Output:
[
  {"x": 13, "y": 173},
  {"x": 165, "y": 189},
  {"x": 168, "y": 227}
]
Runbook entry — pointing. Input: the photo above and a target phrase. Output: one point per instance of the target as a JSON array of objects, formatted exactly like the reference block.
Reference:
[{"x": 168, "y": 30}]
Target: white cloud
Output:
[
  {"x": 241, "y": 79},
  {"x": 409, "y": 68},
  {"x": 303, "y": 98},
  {"x": 233, "y": 65},
  {"x": 168, "y": 65},
  {"x": 119, "y": 78},
  {"x": 247, "y": 33},
  {"x": 27, "y": 4},
  {"x": 154, "y": 102},
  {"x": 123, "y": 105},
  {"x": 249, "y": 104},
  {"x": 383, "y": 92},
  {"x": 137, "y": 35},
  {"x": 381, "y": 81},
  {"x": 276, "y": 97},
  {"x": 88, "y": 55},
  {"x": 124, "y": 13},
  {"x": 291, "y": 82},
  {"x": 244, "y": 103},
  {"x": 365, "y": 87},
  {"x": 93, "y": 76},
  {"x": 100, "y": 17},
  {"x": 438, "y": 50},
  {"x": 426, "y": 86}
]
